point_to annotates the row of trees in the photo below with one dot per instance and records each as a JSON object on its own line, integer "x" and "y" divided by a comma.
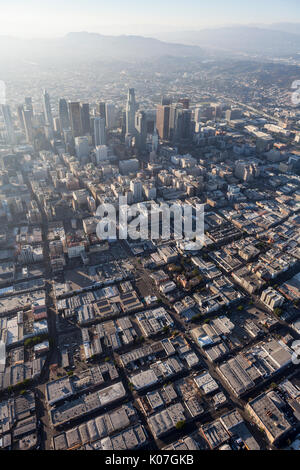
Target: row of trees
{"x": 31, "y": 342}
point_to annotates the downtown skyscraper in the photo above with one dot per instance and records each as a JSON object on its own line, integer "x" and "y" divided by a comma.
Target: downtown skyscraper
{"x": 131, "y": 109}
{"x": 63, "y": 114}
{"x": 8, "y": 123}
{"x": 99, "y": 131}
{"x": 163, "y": 121}
{"x": 101, "y": 110}
{"x": 75, "y": 118}
{"x": 141, "y": 130}
{"x": 27, "y": 119}
{"x": 85, "y": 118}
{"x": 47, "y": 109}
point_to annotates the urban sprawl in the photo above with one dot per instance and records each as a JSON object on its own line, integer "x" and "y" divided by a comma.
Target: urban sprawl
{"x": 121, "y": 344}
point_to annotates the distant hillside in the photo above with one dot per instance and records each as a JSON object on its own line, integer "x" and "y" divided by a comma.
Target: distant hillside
{"x": 241, "y": 39}
{"x": 91, "y": 46}
{"x": 87, "y": 47}
{"x": 291, "y": 28}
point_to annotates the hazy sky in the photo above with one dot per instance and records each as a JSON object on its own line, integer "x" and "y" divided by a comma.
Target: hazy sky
{"x": 33, "y": 18}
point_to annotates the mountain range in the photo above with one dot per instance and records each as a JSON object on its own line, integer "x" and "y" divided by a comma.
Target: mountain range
{"x": 265, "y": 40}
{"x": 83, "y": 46}
{"x": 268, "y": 40}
